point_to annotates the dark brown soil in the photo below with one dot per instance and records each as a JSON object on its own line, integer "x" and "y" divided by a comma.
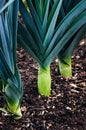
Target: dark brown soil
{"x": 65, "y": 109}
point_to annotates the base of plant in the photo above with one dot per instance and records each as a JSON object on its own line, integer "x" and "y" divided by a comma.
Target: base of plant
{"x": 44, "y": 81}
{"x": 65, "y": 68}
{"x": 16, "y": 116}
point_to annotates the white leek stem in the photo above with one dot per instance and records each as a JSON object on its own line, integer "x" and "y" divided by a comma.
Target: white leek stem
{"x": 44, "y": 81}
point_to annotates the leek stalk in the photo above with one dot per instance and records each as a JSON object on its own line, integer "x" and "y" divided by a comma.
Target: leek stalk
{"x": 49, "y": 31}
{"x": 11, "y": 86}
{"x": 44, "y": 81}
{"x": 65, "y": 67}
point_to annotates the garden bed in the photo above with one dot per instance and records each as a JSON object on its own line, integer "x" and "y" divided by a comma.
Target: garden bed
{"x": 65, "y": 109}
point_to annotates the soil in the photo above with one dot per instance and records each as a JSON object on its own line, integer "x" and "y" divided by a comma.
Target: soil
{"x": 65, "y": 109}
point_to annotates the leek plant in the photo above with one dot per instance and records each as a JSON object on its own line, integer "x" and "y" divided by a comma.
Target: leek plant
{"x": 11, "y": 82}
{"x": 64, "y": 57}
{"x": 46, "y": 34}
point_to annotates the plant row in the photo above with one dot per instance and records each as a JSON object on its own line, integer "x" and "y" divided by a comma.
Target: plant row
{"x": 50, "y": 29}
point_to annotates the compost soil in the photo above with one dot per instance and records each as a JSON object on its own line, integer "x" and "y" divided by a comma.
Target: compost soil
{"x": 64, "y": 109}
